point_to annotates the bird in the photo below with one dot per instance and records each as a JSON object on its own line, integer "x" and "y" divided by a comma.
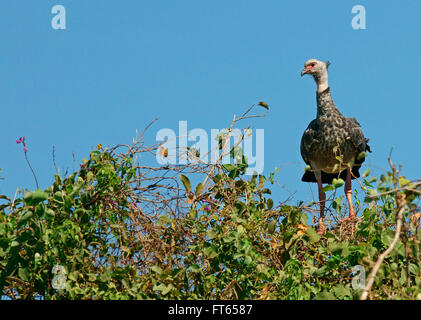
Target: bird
{"x": 333, "y": 146}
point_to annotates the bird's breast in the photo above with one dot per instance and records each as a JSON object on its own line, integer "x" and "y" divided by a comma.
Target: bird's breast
{"x": 333, "y": 143}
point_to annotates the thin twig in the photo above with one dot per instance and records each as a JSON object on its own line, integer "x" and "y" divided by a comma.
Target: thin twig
{"x": 32, "y": 170}
{"x": 54, "y": 159}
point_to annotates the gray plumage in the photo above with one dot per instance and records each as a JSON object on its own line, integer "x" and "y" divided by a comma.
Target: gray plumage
{"x": 332, "y": 131}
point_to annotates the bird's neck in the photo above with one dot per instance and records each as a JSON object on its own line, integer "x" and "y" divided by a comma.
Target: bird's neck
{"x": 321, "y": 81}
{"x": 325, "y": 104}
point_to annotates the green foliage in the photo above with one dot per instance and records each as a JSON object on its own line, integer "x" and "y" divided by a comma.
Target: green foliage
{"x": 227, "y": 240}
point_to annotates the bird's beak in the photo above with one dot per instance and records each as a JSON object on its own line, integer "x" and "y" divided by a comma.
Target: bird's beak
{"x": 305, "y": 71}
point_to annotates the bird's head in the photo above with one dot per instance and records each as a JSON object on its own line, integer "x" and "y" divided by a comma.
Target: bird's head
{"x": 315, "y": 67}
{"x": 318, "y": 69}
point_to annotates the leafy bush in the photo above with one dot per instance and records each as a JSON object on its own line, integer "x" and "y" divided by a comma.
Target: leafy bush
{"x": 120, "y": 230}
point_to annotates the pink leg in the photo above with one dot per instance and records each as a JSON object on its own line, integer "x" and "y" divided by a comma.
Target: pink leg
{"x": 348, "y": 194}
{"x": 322, "y": 200}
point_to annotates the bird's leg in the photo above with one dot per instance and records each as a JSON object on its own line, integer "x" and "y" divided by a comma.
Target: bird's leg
{"x": 348, "y": 193}
{"x": 322, "y": 200}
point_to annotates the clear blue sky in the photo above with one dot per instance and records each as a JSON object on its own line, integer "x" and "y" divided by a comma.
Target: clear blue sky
{"x": 120, "y": 64}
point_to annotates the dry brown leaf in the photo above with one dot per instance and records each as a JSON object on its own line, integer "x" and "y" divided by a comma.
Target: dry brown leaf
{"x": 301, "y": 229}
{"x": 164, "y": 152}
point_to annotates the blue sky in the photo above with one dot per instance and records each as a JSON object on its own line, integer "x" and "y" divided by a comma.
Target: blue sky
{"x": 120, "y": 64}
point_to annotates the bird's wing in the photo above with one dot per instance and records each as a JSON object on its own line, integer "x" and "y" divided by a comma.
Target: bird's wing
{"x": 357, "y": 138}
{"x": 309, "y": 137}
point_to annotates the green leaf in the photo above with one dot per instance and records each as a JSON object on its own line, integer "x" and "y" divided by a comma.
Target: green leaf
{"x": 167, "y": 289}
{"x": 229, "y": 167}
{"x": 312, "y": 234}
{"x": 159, "y": 287}
{"x": 394, "y": 266}
{"x": 211, "y": 234}
{"x": 345, "y": 250}
{"x": 403, "y": 181}
{"x": 35, "y": 197}
{"x": 372, "y": 192}
{"x": 193, "y": 214}
{"x": 366, "y": 173}
{"x": 37, "y": 257}
{"x": 92, "y": 277}
{"x": 386, "y": 238}
{"x": 24, "y": 274}
{"x": 362, "y": 155}
{"x": 272, "y": 226}
{"x": 4, "y": 197}
{"x": 261, "y": 182}
{"x": 325, "y": 296}
{"x": 334, "y": 246}
{"x": 164, "y": 219}
{"x": 49, "y": 212}
{"x": 210, "y": 252}
{"x": 402, "y": 279}
{"x": 237, "y": 256}
{"x": 337, "y": 183}
{"x": 14, "y": 243}
{"x": 24, "y": 216}
{"x": 269, "y": 203}
{"x": 240, "y": 229}
{"x": 328, "y": 188}
{"x": 199, "y": 189}
{"x": 156, "y": 269}
{"x": 195, "y": 268}
{"x": 336, "y": 167}
{"x": 264, "y": 105}
{"x": 186, "y": 182}
{"x": 228, "y": 239}
{"x": 248, "y": 260}
{"x": 73, "y": 276}
{"x": 414, "y": 269}
{"x": 336, "y": 204}
{"x": 266, "y": 191}
{"x": 59, "y": 195}
{"x": 340, "y": 291}
{"x": 236, "y": 154}
{"x": 89, "y": 176}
